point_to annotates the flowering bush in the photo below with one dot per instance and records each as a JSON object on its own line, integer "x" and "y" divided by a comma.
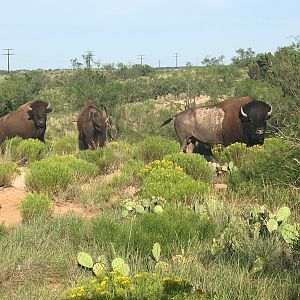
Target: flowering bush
{"x": 159, "y": 165}
{"x": 193, "y": 164}
{"x": 275, "y": 162}
{"x": 143, "y": 285}
{"x": 167, "y": 180}
{"x": 237, "y": 152}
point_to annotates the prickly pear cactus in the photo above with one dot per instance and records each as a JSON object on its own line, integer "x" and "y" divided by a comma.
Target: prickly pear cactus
{"x": 99, "y": 269}
{"x": 139, "y": 209}
{"x": 119, "y": 265}
{"x": 156, "y": 251}
{"x": 289, "y": 233}
{"x": 158, "y": 209}
{"x": 272, "y": 225}
{"x": 283, "y": 214}
{"x": 85, "y": 260}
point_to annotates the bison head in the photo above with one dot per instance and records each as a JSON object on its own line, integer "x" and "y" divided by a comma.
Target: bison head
{"x": 38, "y": 113}
{"x": 98, "y": 120}
{"x": 253, "y": 116}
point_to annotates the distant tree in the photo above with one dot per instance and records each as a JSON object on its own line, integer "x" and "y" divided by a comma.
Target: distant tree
{"x": 214, "y": 61}
{"x": 244, "y": 57}
{"x": 286, "y": 70}
{"x": 261, "y": 67}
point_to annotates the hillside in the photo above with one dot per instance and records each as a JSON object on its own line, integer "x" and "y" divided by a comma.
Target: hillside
{"x": 160, "y": 224}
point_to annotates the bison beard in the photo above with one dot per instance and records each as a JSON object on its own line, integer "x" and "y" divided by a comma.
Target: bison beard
{"x": 236, "y": 120}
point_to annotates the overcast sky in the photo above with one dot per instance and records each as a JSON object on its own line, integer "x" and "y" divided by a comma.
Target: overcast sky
{"x": 47, "y": 34}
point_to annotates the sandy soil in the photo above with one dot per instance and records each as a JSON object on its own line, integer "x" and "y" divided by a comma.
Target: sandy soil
{"x": 10, "y": 198}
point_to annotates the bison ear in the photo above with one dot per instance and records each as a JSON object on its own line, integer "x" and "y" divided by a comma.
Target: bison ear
{"x": 30, "y": 113}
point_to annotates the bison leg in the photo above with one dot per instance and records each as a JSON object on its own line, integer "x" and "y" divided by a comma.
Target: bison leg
{"x": 81, "y": 142}
{"x": 183, "y": 144}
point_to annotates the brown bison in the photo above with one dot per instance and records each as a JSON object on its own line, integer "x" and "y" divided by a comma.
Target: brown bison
{"x": 27, "y": 121}
{"x": 233, "y": 120}
{"x": 92, "y": 124}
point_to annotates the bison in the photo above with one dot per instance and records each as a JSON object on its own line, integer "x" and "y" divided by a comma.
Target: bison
{"x": 92, "y": 125}
{"x": 233, "y": 120}
{"x": 27, "y": 121}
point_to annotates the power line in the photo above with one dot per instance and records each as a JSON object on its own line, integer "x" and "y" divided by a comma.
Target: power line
{"x": 8, "y": 55}
{"x": 176, "y": 55}
{"x": 141, "y": 56}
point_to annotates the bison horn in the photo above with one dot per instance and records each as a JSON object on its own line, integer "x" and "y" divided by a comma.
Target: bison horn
{"x": 29, "y": 108}
{"x": 270, "y": 111}
{"x": 243, "y": 114}
{"x": 49, "y": 105}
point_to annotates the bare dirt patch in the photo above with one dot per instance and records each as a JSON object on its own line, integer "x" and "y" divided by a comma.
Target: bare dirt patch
{"x": 11, "y": 197}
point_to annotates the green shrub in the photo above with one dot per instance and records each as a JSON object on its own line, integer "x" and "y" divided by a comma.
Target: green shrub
{"x": 9, "y": 146}
{"x": 132, "y": 168}
{"x": 237, "y": 153}
{"x": 172, "y": 227}
{"x": 8, "y": 172}
{"x": 275, "y": 162}
{"x": 172, "y": 185}
{"x": 104, "y": 158}
{"x": 98, "y": 193}
{"x": 55, "y": 173}
{"x": 155, "y": 147}
{"x": 35, "y": 205}
{"x": 27, "y": 150}
{"x": 193, "y": 164}
{"x": 122, "y": 150}
{"x": 31, "y": 150}
{"x": 65, "y": 145}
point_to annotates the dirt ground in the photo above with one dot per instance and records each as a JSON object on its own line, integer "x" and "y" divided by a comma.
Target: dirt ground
{"x": 10, "y": 198}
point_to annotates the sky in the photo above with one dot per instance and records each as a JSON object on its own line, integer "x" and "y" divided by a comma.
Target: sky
{"x": 49, "y": 34}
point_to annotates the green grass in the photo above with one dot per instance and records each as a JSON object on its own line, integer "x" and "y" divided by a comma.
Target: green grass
{"x": 35, "y": 266}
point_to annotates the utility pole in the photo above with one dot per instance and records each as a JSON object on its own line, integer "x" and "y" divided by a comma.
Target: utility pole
{"x": 141, "y": 56}
{"x": 88, "y": 58}
{"x": 8, "y": 55}
{"x": 159, "y": 63}
{"x": 176, "y": 55}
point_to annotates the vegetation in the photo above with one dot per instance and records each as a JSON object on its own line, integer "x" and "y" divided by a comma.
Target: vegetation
{"x": 159, "y": 229}
{"x": 8, "y": 172}
{"x": 36, "y": 205}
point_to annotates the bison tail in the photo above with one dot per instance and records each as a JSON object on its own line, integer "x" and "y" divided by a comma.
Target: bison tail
{"x": 166, "y": 121}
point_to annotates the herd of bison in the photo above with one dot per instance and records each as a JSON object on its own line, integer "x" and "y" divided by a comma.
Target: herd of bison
{"x": 232, "y": 120}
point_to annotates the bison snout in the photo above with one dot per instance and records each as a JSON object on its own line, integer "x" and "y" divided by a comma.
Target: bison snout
{"x": 40, "y": 123}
